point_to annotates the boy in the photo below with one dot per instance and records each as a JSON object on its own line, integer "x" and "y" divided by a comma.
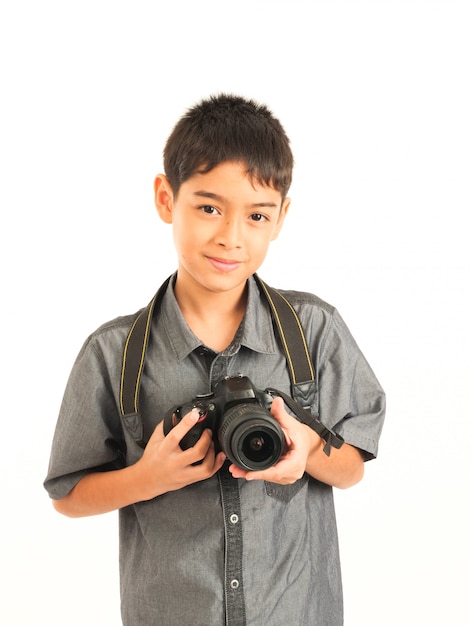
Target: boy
{"x": 203, "y": 541}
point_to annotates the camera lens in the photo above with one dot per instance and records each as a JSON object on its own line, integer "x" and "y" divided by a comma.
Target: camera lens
{"x": 256, "y": 443}
{"x": 257, "y": 446}
{"x": 251, "y": 437}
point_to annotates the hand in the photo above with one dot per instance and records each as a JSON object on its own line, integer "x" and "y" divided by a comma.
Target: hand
{"x": 300, "y": 440}
{"x": 166, "y": 467}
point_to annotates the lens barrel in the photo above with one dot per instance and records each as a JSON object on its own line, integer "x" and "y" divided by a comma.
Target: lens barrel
{"x": 251, "y": 437}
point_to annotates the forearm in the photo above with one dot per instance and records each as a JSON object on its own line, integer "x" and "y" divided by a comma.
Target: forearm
{"x": 163, "y": 467}
{"x": 343, "y": 468}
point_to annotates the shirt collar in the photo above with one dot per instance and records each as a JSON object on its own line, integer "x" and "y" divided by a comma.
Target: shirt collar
{"x": 256, "y": 330}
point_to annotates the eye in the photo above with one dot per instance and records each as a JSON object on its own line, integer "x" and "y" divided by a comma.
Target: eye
{"x": 258, "y": 217}
{"x": 210, "y": 210}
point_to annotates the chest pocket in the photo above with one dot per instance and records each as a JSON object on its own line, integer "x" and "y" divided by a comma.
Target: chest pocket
{"x": 285, "y": 493}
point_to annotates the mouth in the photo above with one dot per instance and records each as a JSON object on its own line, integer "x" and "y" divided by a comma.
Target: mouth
{"x": 224, "y": 265}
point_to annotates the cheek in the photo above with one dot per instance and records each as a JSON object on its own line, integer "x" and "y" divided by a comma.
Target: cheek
{"x": 187, "y": 241}
{"x": 180, "y": 232}
{"x": 181, "y": 243}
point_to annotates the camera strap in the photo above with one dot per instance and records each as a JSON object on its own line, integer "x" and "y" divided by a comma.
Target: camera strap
{"x": 133, "y": 366}
{"x": 330, "y": 438}
{"x": 290, "y": 331}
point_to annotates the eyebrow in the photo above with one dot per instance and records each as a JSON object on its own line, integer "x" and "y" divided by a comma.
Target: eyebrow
{"x": 215, "y": 196}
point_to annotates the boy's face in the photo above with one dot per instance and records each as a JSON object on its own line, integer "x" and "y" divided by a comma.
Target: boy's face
{"x": 223, "y": 222}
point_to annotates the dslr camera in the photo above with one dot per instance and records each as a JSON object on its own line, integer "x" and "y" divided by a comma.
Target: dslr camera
{"x": 238, "y": 415}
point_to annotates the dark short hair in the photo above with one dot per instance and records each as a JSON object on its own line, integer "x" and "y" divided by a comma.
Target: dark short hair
{"x": 229, "y": 128}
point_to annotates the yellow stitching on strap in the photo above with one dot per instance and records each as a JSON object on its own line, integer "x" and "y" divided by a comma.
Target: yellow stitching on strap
{"x": 142, "y": 358}
{"x": 312, "y": 375}
{"x": 124, "y": 361}
{"x": 286, "y": 347}
{"x": 284, "y": 342}
{"x": 141, "y": 366}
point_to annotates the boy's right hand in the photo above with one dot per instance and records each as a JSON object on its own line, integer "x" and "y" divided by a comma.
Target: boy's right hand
{"x": 165, "y": 467}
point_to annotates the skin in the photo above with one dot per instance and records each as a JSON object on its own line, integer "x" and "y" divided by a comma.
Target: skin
{"x": 223, "y": 222}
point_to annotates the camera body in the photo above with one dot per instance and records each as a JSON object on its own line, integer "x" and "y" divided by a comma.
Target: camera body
{"x": 238, "y": 415}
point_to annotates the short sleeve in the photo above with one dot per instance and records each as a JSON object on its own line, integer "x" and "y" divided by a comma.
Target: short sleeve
{"x": 88, "y": 435}
{"x": 351, "y": 400}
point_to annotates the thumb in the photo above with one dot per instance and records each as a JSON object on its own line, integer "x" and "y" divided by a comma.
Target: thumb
{"x": 278, "y": 410}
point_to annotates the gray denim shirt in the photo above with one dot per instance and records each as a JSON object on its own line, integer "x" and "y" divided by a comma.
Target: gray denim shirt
{"x": 221, "y": 551}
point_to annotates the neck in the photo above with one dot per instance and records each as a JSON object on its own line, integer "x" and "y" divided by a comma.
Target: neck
{"x": 214, "y": 317}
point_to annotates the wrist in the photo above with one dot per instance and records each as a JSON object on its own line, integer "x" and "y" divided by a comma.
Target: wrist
{"x": 141, "y": 485}
{"x": 314, "y": 444}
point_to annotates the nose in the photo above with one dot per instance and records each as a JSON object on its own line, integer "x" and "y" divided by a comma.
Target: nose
{"x": 229, "y": 234}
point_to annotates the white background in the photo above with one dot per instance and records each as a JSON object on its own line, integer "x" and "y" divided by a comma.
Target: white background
{"x": 375, "y": 97}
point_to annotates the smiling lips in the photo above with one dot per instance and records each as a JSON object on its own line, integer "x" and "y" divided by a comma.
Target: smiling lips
{"x": 224, "y": 265}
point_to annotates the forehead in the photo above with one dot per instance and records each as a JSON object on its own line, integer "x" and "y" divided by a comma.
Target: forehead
{"x": 228, "y": 179}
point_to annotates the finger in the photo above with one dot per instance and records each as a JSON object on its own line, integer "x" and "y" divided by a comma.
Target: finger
{"x": 237, "y": 472}
{"x": 288, "y": 423}
{"x": 184, "y": 426}
{"x": 280, "y": 473}
{"x": 200, "y": 450}
{"x": 214, "y": 461}
{"x": 219, "y": 460}
{"x": 203, "y": 457}
{"x": 278, "y": 410}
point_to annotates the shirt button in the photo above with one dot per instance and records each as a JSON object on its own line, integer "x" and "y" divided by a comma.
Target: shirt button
{"x": 234, "y": 518}
{"x": 234, "y": 584}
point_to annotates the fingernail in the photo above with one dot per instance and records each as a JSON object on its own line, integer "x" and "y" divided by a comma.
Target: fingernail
{"x": 194, "y": 415}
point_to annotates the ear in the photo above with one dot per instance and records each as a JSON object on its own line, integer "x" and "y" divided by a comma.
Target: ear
{"x": 280, "y": 220}
{"x": 163, "y": 198}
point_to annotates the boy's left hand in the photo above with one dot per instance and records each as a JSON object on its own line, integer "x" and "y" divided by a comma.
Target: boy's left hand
{"x": 301, "y": 441}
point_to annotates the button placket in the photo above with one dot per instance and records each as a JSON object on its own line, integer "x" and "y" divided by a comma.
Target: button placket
{"x": 234, "y": 596}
